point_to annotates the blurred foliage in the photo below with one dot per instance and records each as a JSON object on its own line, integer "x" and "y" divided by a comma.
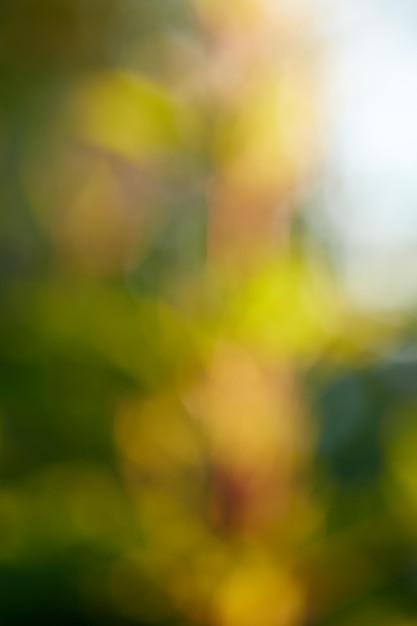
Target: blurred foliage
{"x": 196, "y": 425}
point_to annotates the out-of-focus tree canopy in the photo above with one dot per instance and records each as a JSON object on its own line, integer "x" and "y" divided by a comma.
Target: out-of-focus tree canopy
{"x": 196, "y": 424}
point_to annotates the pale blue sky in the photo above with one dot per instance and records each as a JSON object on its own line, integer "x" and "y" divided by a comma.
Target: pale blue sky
{"x": 370, "y": 117}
